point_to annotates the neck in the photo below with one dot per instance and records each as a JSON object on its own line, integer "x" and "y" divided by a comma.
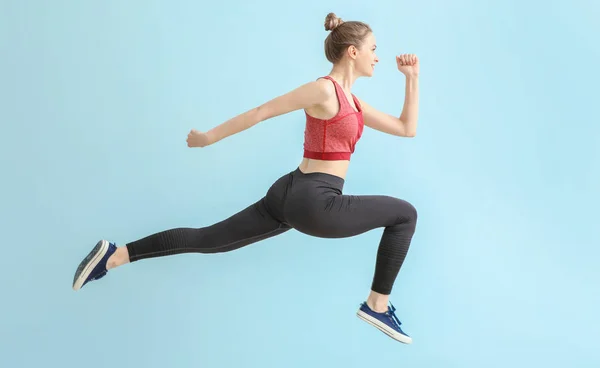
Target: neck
{"x": 345, "y": 75}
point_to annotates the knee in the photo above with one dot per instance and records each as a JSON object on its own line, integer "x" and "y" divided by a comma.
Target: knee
{"x": 408, "y": 213}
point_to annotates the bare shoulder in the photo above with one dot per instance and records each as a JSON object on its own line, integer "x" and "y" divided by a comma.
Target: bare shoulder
{"x": 322, "y": 90}
{"x": 313, "y": 92}
{"x": 326, "y": 86}
{"x": 305, "y": 96}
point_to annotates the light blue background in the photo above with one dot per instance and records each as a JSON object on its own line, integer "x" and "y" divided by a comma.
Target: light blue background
{"x": 97, "y": 98}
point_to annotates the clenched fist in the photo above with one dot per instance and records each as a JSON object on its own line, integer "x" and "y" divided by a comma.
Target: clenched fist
{"x": 408, "y": 64}
{"x": 196, "y": 138}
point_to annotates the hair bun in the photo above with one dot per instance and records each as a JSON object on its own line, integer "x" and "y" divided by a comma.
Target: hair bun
{"x": 332, "y": 21}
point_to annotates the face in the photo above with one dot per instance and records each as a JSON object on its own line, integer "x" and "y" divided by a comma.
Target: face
{"x": 365, "y": 57}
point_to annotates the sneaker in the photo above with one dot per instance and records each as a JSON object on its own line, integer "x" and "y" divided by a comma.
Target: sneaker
{"x": 93, "y": 266}
{"x": 387, "y": 322}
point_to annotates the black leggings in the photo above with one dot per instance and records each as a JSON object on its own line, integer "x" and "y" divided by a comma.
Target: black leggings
{"x": 311, "y": 203}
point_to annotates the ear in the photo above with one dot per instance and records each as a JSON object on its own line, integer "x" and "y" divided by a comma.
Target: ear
{"x": 352, "y": 52}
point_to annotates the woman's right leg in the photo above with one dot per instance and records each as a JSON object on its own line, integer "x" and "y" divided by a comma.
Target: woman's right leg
{"x": 343, "y": 215}
{"x": 317, "y": 207}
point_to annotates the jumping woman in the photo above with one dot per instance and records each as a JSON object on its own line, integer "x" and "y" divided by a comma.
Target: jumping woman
{"x": 309, "y": 198}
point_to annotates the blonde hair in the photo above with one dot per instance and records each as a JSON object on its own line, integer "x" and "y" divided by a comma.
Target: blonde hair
{"x": 343, "y": 35}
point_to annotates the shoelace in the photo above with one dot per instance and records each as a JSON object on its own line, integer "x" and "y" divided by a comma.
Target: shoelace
{"x": 392, "y": 314}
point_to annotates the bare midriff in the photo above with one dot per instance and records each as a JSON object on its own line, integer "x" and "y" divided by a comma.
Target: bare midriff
{"x": 337, "y": 168}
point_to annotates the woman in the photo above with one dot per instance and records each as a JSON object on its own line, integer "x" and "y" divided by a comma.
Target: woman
{"x": 308, "y": 199}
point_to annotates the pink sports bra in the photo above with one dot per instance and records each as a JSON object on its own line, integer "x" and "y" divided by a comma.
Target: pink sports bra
{"x": 335, "y": 138}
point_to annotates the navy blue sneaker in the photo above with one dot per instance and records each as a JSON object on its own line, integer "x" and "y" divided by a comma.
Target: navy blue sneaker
{"x": 93, "y": 266}
{"x": 386, "y": 322}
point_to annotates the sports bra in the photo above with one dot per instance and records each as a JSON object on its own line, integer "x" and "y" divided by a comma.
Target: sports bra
{"x": 335, "y": 138}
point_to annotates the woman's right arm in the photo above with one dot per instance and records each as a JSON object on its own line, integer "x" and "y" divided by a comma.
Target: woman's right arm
{"x": 305, "y": 96}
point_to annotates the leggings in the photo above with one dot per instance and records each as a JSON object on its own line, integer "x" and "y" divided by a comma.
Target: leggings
{"x": 311, "y": 203}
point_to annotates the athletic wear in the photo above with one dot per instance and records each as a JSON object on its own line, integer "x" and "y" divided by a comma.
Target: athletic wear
{"x": 336, "y": 138}
{"x": 93, "y": 266}
{"x": 311, "y": 203}
{"x": 386, "y": 322}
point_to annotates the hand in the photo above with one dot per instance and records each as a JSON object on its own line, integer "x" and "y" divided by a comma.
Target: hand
{"x": 408, "y": 64}
{"x": 198, "y": 139}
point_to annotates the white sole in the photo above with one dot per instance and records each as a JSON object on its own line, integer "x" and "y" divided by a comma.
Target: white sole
{"x": 384, "y": 328}
{"x": 89, "y": 263}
